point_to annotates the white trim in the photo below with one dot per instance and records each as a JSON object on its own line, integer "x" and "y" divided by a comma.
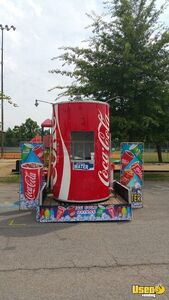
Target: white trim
{"x": 65, "y": 182}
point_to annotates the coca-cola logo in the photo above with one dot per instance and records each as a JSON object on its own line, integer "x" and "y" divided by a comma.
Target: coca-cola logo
{"x": 30, "y": 185}
{"x": 124, "y": 161}
{"x": 137, "y": 169}
{"x": 104, "y": 138}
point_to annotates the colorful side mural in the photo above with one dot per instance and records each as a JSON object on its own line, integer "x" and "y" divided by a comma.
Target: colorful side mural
{"x": 131, "y": 174}
{"x": 77, "y": 213}
{"x": 32, "y": 159}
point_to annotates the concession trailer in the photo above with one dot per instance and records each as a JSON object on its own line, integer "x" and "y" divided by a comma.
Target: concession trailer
{"x": 80, "y": 171}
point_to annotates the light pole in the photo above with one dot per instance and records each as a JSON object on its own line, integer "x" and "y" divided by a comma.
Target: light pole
{"x": 43, "y": 101}
{"x": 6, "y": 27}
{"x": 36, "y": 102}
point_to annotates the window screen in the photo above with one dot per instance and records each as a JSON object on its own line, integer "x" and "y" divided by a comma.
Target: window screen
{"x": 82, "y": 145}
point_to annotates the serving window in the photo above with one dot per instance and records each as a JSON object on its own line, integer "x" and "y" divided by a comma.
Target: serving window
{"x": 82, "y": 145}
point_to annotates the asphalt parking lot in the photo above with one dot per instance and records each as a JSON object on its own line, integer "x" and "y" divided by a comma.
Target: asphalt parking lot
{"x": 84, "y": 260}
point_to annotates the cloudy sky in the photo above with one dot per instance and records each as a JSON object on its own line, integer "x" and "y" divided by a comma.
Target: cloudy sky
{"x": 42, "y": 26}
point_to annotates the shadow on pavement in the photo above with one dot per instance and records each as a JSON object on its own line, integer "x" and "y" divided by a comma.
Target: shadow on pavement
{"x": 23, "y": 223}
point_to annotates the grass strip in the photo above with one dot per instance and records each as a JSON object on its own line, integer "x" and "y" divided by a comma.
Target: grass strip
{"x": 10, "y": 179}
{"x": 156, "y": 176}
{"x": 148, "y": 176}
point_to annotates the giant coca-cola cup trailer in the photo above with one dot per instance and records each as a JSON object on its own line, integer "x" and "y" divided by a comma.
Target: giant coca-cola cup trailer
{"x": 81, "y": 151}
{"x": 81, "y": 179}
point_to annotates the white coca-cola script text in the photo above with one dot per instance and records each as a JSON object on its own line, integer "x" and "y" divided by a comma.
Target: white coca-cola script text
{"x": 104, "y": 138}
{"x": 30, "y": 185}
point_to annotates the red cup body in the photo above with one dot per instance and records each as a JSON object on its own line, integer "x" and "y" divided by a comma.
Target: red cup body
{"x": 38, "y": 150}
{"x": 127, "y": 176}
{"x": 70, "y": 181}
{"x": 126, "y": 158}
{"x": 60, "y": 212}
{"x": 32, "y": 179}
{"x": 137, "y": 169}
{"x": 72, "y": 211}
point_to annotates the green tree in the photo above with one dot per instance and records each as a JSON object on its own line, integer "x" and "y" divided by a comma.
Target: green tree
{"x": 5, "y": 97}
{"x": 25, "y": 132}
{"x": 29, "y": 129}
{"x": 10, "y": 139}
{"x": 126, "y": 63}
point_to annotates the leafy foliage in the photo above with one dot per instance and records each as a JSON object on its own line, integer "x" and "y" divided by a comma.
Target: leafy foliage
{"x": 25, "y": 132}
{"x": 5, "y": 97}
{"x": 126, "y": 63}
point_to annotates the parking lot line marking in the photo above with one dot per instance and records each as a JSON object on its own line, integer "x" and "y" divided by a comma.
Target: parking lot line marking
{"x": 12, "y": 223}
